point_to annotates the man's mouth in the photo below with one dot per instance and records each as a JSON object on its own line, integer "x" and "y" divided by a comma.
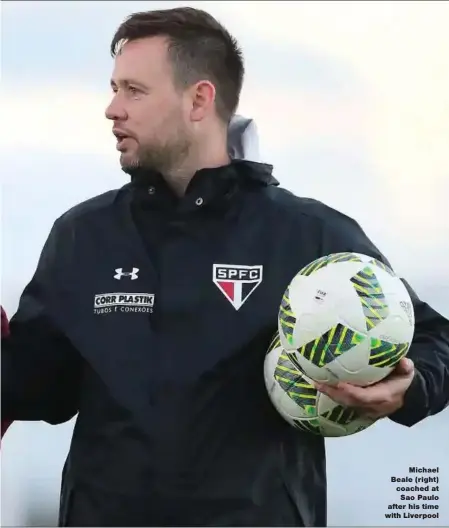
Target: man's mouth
{"x": 121, "y": 139}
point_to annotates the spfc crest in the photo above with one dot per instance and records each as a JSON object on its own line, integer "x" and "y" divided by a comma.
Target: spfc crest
{"x": 237, "y": 282}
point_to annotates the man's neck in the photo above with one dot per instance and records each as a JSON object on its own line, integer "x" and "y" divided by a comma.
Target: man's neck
{"x": 178, "y": 178}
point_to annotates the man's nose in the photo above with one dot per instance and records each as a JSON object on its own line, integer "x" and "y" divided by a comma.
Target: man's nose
{"x": 116, "y": 111}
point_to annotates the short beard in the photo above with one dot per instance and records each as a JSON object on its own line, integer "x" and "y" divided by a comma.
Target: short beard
{"x": 162, "y": 159}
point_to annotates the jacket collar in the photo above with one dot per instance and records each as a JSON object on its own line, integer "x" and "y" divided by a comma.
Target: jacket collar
{"x": 260, "y": 173}
{"x": 210, "y": 188}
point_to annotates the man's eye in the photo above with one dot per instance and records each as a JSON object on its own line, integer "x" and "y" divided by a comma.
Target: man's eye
{"x": 133, "y": 89}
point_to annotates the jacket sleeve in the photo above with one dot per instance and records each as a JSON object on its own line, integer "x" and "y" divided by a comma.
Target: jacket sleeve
{"x": 429, "y": 391}
{"x": 40, "y": 368}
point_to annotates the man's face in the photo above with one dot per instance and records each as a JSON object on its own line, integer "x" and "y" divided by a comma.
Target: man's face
{"x": 151, "y": 118}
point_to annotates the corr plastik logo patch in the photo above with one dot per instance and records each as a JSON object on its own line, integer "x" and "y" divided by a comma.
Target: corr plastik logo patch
{"x": 106, "y": 303}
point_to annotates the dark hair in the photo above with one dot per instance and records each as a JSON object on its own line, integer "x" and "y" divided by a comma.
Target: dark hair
{"x": 199, "y": 47}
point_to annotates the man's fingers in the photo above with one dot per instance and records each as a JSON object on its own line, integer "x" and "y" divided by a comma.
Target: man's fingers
{"x": 350, "y": 395}
{"x": 374, "y": 401}
{"x": 405, "y": 367}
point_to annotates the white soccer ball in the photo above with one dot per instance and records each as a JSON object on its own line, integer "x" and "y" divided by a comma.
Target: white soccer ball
{"x": 300, "y": 404}
{"x": 346, "y": 317}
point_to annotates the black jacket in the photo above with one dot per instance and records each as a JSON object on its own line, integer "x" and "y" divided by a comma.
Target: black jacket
{"x": 125, "y": 323}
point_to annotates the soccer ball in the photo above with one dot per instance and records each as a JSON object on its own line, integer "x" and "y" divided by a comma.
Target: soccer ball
{"x": 300, "y": 404}
{"x": 346, "y": 317}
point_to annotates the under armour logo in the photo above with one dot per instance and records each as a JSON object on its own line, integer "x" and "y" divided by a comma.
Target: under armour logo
{"x": 119, "y": 273}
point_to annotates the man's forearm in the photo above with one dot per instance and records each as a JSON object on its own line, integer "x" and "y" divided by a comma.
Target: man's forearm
{"x": 429, "y": 392}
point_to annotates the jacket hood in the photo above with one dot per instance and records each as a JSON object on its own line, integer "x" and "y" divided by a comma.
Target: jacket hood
{"x": 243, "y": 145}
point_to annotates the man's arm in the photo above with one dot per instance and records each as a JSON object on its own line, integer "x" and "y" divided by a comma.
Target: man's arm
{"x": 40, "y": 368}
{"x": 428, "y": 393}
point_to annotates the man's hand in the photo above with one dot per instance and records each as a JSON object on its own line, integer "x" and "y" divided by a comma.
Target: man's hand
{"x": 378, "y": 400}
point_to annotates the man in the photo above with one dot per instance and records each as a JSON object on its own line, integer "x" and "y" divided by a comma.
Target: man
{"x": 123, "y": 324}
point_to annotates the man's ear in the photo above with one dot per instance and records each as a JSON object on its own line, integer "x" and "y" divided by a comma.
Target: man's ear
{"x": 203, "y": 98}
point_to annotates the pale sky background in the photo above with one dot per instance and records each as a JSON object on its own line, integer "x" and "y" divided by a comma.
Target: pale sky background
{"x": 351, "y": 100}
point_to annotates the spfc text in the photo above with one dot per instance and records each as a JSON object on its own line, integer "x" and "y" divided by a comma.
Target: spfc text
{"x": 232, "y": 273}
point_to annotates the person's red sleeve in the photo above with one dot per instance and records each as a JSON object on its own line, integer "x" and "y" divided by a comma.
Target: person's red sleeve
{"x": 5, "y": 332}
